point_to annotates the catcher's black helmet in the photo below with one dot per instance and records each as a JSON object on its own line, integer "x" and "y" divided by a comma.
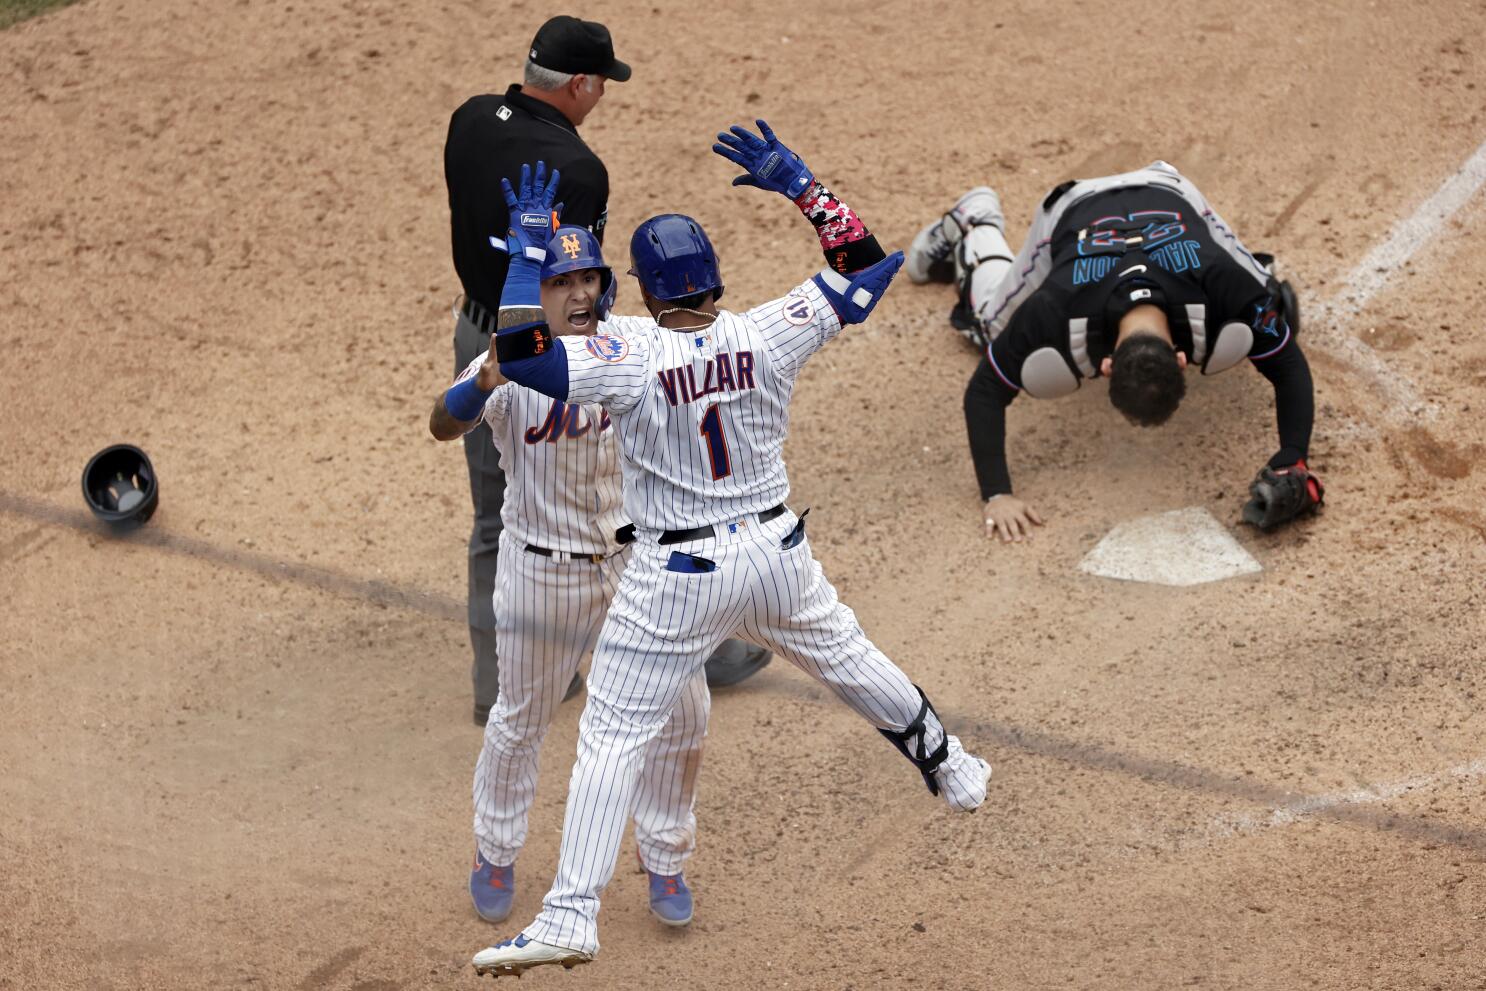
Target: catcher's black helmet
{"x": 120, "y": 487}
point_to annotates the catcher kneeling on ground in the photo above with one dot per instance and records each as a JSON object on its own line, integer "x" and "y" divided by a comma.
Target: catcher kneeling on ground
{"x": 1130, "y": 277}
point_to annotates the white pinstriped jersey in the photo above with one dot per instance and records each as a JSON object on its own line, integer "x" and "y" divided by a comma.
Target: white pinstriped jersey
{"x": 702, "y": 414}
{"x": 563, "y": 490}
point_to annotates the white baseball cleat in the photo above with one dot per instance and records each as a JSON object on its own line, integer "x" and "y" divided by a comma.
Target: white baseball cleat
{"x": 520, "y": 954}
{"x": 962, "y": 778}
{"x": 930, "y": 257}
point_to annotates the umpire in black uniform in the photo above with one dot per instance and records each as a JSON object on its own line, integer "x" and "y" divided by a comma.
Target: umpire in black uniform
{"x": 490, "y": 137}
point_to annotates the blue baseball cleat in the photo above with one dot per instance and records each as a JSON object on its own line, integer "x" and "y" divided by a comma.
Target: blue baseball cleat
{"x": 492, "y": 889}
{"x": 670, "y": 899}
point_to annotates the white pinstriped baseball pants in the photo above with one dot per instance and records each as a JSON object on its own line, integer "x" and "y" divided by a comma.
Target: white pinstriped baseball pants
{"x": 659, "y": 633}
{"x": 547, "y": 616}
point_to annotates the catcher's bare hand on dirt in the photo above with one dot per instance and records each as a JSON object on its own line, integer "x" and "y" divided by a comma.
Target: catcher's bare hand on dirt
{"x": 1010, "y": 518}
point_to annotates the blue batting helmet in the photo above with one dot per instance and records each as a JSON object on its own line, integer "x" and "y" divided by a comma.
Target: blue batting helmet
{"x": 673, "y": 258}
{"x": 573, "y": 249}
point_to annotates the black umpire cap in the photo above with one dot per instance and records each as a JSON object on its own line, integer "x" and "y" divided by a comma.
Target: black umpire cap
{"x": 566, "y": 44}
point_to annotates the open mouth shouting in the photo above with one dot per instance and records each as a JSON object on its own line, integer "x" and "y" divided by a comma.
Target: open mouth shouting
{"x": 580, "y": 318}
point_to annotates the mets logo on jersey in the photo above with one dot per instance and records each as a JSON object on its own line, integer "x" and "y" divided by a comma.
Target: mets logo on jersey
{"x": 607, "y": 348}
{"x": 798, "y": 311}
{"x": 571, "y": 246}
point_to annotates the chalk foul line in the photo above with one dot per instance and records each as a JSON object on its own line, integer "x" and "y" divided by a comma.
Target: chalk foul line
{"x": 1236, "y": 823}
{"x": 1371, "y": 274}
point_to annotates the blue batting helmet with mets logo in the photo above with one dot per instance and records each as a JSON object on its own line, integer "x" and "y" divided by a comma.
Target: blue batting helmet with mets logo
{"x": 573, "y": 249}
{"x": 673, "y": 258}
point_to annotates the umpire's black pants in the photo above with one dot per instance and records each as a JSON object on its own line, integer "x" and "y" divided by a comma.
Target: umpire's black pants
{"x": 488, "y": 493}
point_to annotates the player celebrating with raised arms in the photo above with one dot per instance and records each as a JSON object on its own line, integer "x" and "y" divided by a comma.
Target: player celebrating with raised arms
{"x": 699, "y": 398}
{"x": 560, "y": 563}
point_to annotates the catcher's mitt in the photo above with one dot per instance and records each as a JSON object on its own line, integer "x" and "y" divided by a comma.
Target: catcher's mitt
{"x": 1278, "y": 495}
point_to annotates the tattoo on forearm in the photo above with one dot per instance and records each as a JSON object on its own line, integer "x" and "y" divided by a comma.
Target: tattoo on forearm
{"x": 514, "y": 316}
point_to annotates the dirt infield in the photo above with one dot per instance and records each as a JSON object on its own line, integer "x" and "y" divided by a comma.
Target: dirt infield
{"x": 235, "y": 752}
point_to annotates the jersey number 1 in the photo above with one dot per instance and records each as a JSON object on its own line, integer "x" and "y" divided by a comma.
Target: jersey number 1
{"x": 717, "y": 444}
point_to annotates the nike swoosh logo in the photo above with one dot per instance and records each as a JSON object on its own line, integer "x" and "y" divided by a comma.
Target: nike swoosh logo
{"x": 1132, "y": 268}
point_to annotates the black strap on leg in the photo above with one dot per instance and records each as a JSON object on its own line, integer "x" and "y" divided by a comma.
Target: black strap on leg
{"x": 926, "y": 763}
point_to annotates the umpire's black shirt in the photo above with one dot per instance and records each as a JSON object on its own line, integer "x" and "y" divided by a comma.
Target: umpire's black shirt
{"x": 491, "y": 137}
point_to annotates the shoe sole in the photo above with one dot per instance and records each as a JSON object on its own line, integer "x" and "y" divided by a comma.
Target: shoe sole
{"x": 493, "y": 918}
{"x": 673, "y": 923}
{"x": 936, "y": 268}
{"x": 517, "y": 969}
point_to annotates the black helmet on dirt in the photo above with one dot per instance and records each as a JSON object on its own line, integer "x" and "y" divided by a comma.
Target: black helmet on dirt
{"x": 119, "y": 486}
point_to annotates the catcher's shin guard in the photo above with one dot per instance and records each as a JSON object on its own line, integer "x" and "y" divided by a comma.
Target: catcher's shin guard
{"x": 916, "y": 734}
{"x": 982, "y": 260}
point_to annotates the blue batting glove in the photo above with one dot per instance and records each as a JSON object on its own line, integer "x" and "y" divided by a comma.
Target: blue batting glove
{"x": 533, "y": 218}
{"x": 769, "y": 164}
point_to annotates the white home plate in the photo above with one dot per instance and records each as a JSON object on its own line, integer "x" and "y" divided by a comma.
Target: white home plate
{"x": 1182, "y": 547}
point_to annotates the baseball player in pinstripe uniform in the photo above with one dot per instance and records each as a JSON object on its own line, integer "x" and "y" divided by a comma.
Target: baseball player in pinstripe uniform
{"x": 561, "y": 555}
{"x": 700, "y": 400}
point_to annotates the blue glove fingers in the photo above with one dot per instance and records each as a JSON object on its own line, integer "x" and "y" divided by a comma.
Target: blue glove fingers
{"x": 736, "y": 157}
{"x": 731, "y": 142}
{"x": 505, "y": 185}
{"x": 551, "y": 189}
{"x": 523, "y": 193}
{"x": 748, "y": 139}
{"x": 766, "y": 131}
{"x": 746, "y": 180}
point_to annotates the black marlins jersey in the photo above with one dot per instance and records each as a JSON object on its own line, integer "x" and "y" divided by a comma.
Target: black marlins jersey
{"x": 1137, "y": 232}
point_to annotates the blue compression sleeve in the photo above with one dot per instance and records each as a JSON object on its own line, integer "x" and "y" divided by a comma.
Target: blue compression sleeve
{"x": 523, "y": 283}
{"x": 547, "y": 372}
{"x": 465, "y": 401}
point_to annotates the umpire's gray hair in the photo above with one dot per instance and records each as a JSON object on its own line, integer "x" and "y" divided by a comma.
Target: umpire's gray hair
{"x": 542, "y": 78}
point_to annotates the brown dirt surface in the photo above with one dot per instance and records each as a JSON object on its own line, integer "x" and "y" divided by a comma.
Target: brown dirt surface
{"x": 236, "y": 749}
